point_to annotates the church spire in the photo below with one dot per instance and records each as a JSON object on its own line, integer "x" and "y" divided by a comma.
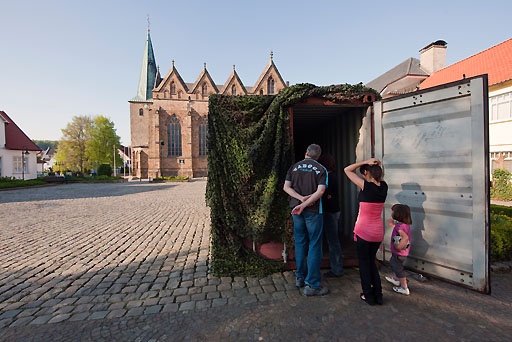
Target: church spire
{"x": 148, "y": 72}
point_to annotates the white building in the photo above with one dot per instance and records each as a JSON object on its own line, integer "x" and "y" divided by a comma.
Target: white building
{"x": 18, "y": 154}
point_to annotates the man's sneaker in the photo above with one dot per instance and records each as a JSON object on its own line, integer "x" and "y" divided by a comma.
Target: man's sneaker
{"x": 309, "y": 291}
{"x": 393, "y": 281}
{"x": 401, "y": 290}
{"x": 299, "y": 282}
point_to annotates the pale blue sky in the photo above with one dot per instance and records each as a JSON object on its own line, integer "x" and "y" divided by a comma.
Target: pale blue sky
{"x": 65, "y": 58}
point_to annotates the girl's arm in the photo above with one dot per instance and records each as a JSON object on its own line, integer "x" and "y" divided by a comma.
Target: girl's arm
{"x": 403, "y": 242}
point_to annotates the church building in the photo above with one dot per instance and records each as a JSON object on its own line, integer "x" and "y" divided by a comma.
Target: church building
{"x": 169, "y": 117}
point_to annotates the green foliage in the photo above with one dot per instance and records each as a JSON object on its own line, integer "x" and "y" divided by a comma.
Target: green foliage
{"x": 171, "y": 178}
{"x": 88, "y": 142}
{"x": 501, "y": 185}
{"x": 249, "y": 153}
{"x": 105, "y": 170}
{"x": 11, "y": 182}
{"x": 501, "y": 233}
{"x": 71, "y": 152}
{"x": 102, "y": 143}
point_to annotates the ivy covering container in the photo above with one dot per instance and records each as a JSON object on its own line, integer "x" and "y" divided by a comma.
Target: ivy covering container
{"x": 249, "y": 152}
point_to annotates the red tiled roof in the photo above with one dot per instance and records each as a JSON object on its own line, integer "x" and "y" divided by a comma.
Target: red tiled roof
{"x": 15, "y": 139}
{"x": 495, "y": 61}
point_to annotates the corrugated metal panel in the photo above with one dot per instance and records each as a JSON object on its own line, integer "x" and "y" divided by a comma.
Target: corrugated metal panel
{"x": 434, "y": 146}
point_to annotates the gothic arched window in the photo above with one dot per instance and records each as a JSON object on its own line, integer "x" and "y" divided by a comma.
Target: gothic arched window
{"x": 174, "y": 137}
{"x": 233, "y": 90}
{"x": 173, "y": 88}
{"x": 204, "y": 90}
{"x": 270, "y": 86}
{"x": 203, "y": 133}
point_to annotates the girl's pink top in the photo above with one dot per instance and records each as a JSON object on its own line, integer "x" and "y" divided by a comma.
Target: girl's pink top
{"x": 369, "y": 225}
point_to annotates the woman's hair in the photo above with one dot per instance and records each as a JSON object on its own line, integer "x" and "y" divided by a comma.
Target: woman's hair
{"x": 375, "y": 171}
{"x": 401, "y": 213}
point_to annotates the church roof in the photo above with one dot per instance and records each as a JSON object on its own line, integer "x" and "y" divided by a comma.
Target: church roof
{"x": 270, "y": 66}
{"x": 496, "y": 62}
{"x": 15, "y": 138}
{"x": 148, "y": 74}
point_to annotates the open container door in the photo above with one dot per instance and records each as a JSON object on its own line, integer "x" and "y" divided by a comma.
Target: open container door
{"x": 434, "y": 146}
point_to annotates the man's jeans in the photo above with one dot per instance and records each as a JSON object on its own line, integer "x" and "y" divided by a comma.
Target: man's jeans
{"x": 307, "y": 230}
{"x": 333, "y": 241}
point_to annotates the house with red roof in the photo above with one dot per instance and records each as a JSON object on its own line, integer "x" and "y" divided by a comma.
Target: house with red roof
{"x": 496, "y": 62}
{"x": 18, "y": 154}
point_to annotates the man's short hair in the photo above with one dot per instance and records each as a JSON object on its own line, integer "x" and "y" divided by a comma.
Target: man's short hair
{"x": 314, "y": 151}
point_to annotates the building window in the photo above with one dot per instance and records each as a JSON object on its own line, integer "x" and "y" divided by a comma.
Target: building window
{"x": 203, "y": 133}
{"x": 173, "y": 88}
{"x": 233, "y": 90}
{"x": 174, "y": 137}
{"x": 261, "y": 91}
{"x": 204, "y": 90}
{"x": 270, "y": 86}
{"x": 18, "y": 165}
{"x": 141, "y": 111}
{"x": 501, "y": 107}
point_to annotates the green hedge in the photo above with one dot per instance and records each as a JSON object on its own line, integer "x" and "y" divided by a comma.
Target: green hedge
{"x": 501, "y": 233}
{"x": 8, "y": 182}
{"x": 501, "y": 185}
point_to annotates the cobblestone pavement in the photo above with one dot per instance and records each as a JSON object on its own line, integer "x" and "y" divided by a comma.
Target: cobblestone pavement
{"x": 129, "y": 262}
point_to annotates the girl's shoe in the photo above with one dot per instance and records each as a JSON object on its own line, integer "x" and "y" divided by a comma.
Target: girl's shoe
{"x": 393, "y": 281}
{"x": 401, "y": 290}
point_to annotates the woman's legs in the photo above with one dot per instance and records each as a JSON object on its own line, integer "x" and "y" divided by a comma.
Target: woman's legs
{"x": 365, "y": 269}
{"x": 376, "y": 283}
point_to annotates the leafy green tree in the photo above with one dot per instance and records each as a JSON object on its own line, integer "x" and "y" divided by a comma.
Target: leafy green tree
{"x": 101, "y": 148}
{"x": 71, "y": 153}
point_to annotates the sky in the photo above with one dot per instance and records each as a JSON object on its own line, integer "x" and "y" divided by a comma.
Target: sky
{"x": 60, "y": 59}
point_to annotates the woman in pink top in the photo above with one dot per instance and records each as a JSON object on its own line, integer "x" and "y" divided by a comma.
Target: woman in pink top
{"x": 369, "y": 228}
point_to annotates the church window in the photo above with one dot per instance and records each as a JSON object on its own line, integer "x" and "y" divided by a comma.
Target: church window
{"x": 203, "y": 133}
{"x": 174, "y": 137}
{"x": 270, "y": 86}
{"x": 204, "y": 90}
{"x": 141, "y": 111}
{"x": 233, "y": 90}
{"x": 173, "y": 88}
{"x": 261, "y": 91}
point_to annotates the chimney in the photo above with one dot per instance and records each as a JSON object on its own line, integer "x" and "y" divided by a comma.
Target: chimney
{"x": 433, "y": 56}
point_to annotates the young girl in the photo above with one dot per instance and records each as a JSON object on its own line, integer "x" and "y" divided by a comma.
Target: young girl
{"x": 400, "y": 245}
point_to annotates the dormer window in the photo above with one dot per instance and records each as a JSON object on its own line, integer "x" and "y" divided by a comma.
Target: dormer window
{"x": 204, "y": 90}
{"x": 173, "y": 88}
{"x": 270, "y": 85}
{"x": 233, "y": 90}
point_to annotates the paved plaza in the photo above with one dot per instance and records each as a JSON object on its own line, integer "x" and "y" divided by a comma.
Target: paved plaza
{"x": 130, "y": 262}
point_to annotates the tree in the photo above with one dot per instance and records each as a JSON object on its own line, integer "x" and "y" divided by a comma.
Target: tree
{"x": 103, "y": 143}
{"x": 71, "y": 153}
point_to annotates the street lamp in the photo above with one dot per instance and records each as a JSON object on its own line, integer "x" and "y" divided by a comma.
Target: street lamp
{"x": 23, "y": 155}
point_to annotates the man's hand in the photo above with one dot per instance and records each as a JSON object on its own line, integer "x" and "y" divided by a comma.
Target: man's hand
{"x": 297, "y": 210}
